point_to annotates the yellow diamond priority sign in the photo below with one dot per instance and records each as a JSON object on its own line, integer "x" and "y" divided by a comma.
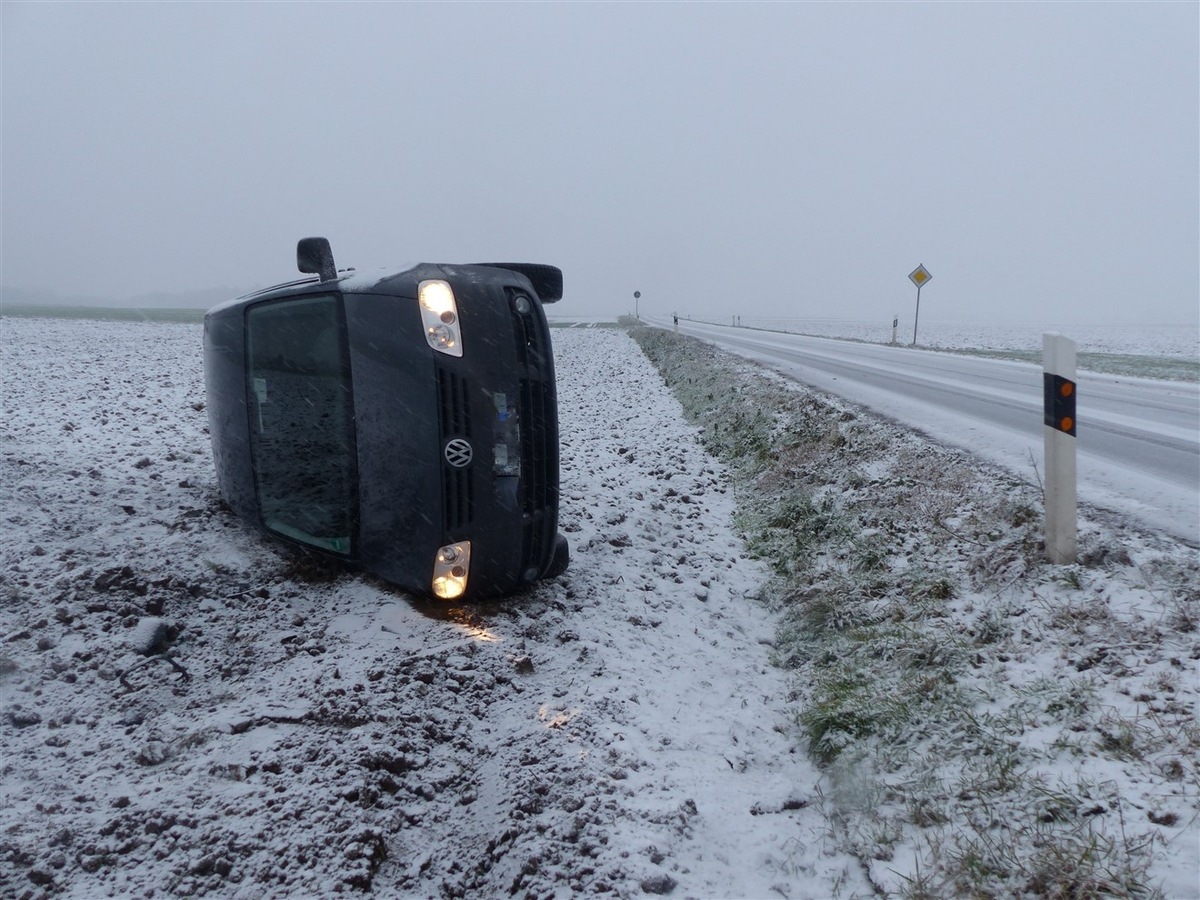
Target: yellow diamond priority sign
{"x": 919, "y": 275}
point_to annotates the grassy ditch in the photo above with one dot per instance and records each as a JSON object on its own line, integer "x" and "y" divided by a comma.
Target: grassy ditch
{"x": 988, "y": 725}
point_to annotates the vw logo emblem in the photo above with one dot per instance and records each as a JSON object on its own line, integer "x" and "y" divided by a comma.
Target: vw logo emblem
{"x": 458, "y": 453}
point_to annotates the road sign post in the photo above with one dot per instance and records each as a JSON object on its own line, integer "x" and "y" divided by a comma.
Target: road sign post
{"x": 637, "y": 296}
{"x": 918, "y": 276}
{"x": 1058, "y": 388}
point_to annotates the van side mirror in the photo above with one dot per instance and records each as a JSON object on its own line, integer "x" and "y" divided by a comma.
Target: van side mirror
{"x": 315, "y": 256}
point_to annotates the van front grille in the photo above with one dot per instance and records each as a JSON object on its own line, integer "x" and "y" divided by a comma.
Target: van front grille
{"x": 454, "y": 405}
{"x": 459, "y": 503}
{"x": 454, "y": 414}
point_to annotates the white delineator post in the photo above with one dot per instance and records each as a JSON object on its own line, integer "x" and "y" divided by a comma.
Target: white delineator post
{"x": 1058, "y": 380}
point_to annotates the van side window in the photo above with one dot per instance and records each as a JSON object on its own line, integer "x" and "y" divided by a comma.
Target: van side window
{"x": 302, "y": 420}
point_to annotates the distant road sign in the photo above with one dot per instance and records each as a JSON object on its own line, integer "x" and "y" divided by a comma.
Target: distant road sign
{"x": 919, "y": 275}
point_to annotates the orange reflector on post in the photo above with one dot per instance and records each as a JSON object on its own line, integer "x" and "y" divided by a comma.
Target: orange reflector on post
{"x": 1059, "y": 396}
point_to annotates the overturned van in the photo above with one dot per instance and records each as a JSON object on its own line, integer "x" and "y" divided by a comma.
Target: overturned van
{"x": 404, "y": 422}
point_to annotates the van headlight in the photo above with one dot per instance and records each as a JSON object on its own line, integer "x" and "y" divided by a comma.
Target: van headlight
{"x": 451, "y": 567}
{"x": 439, "y": 316}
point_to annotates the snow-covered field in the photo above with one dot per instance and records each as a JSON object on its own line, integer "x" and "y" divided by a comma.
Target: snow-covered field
{"x": 185, "y": 709}
{"x": 619, "y": 731}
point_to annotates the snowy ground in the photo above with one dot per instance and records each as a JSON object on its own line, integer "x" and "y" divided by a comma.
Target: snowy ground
{"x": 618, "y": 731}
{"x": 988, "y": 724}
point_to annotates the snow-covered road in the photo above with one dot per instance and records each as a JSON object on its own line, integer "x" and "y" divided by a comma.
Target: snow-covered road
{"x": 1139, "y": 440}
{"x": 616, "y": 731}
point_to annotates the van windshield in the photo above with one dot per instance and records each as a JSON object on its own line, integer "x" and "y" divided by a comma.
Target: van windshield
{"x": 302, "y": 420}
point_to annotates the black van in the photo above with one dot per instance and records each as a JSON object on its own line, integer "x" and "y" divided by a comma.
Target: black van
{"x": 404, "y": 422}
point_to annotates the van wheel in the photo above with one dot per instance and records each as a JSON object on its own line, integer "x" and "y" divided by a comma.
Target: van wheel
{"x": 561, "y": 558}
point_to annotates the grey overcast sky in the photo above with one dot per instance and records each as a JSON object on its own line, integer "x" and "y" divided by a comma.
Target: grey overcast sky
{"x": 775, "y": 159}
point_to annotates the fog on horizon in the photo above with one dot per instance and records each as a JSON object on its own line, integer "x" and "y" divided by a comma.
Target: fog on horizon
{"x": 769, "y": 160}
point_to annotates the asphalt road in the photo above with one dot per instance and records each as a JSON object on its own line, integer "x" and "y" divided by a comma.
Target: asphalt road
{"x": 1139, "y": 440}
